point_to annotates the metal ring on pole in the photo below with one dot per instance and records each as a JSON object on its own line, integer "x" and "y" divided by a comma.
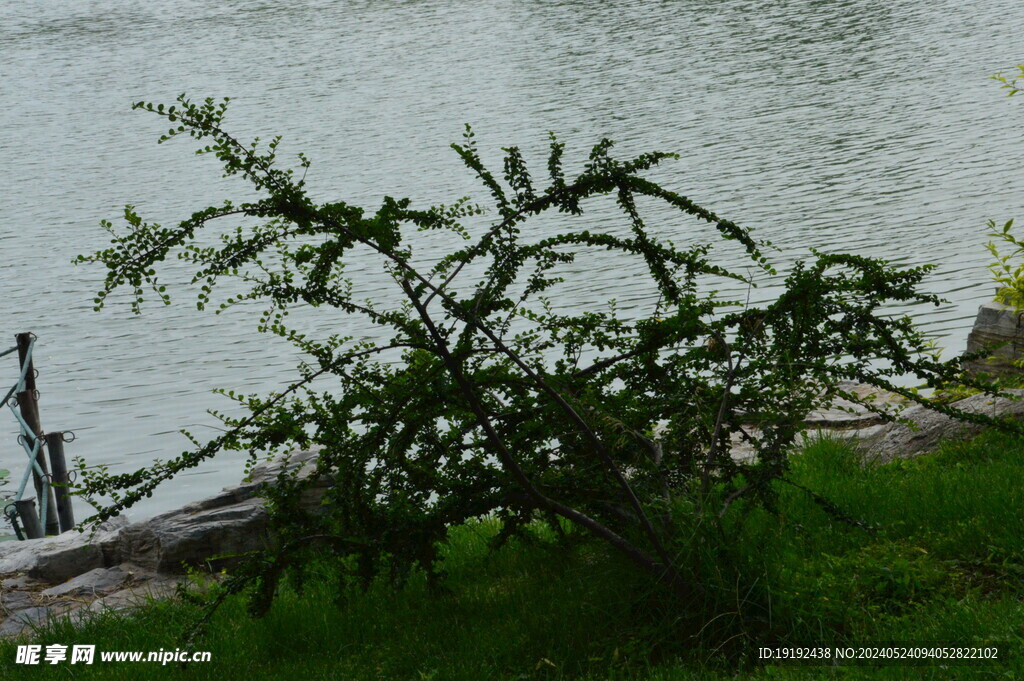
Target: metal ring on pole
{"x": 11, "y": 513}
{"x": 23, "y": 440}
{"x": 68, "y": 436}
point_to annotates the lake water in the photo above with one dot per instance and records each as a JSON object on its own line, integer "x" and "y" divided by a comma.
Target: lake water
{"x": 865, "y": 126}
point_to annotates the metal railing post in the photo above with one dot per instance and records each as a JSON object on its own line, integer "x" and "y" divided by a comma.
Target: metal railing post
{"x": 59, "y": 477}
{"x": 30, "y": 412}
{"x": 29, "y": 518}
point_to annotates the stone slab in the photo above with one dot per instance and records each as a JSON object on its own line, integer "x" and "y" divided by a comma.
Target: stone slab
{"x": 91, "y": 583}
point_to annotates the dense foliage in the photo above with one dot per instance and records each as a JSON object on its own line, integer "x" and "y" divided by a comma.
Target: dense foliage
{"x": 1007, "y": 269}
{"x": 487, "y": 398}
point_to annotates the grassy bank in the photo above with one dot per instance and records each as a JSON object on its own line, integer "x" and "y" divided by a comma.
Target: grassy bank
{"x": 939, "y": 556}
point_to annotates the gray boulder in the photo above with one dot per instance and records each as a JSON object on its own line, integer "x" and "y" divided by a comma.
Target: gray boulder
{"x": 24, "y": 620}
{"x": 208, "y": 532}
{"x": 194, "y": 535}
{"x": 91, "y": 583}
{"x": 996, "y": 325}
{"x": 119, "y": 565}
{"x": 898, "y": 440}
{"x": 55, "y": 559}
{"x": 156, "y": 588}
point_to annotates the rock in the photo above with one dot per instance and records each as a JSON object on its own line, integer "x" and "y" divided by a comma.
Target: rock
{"x": 884, "y": 441}
{"x": 12, "y": 601}
{"x": 56, "y": 559}
{"x": 847, "y": 415}
{"x": 14, "y": 583}
{"x": 193, "y": 534}
{"x": 844, "y": 418}
{"x": 92, "y": 583}
{"x": 234, "y": 521}
{"x": 901, "y": 441}
{"x": 23, "y": 620}
{"x": 268, "y": 471}
{"x": 996, "y": 324}
{"x": 138, "y": 595}
{"x": 305, "y": 460}
{"x": 79, "y": 599}
{"x": 120, "y": 565}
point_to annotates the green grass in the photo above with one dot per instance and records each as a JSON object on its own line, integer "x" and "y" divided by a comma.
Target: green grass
{"x": 945, "y": 564}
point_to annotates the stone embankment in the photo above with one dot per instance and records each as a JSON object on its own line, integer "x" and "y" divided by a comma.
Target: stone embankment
{"x": 121, "y": 564}
{"x": 882, "y": 441}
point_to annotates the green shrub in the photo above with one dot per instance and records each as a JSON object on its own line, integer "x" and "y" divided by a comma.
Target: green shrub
{"x": 1008, "y": 268}
{"x": 488, "y": 399}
